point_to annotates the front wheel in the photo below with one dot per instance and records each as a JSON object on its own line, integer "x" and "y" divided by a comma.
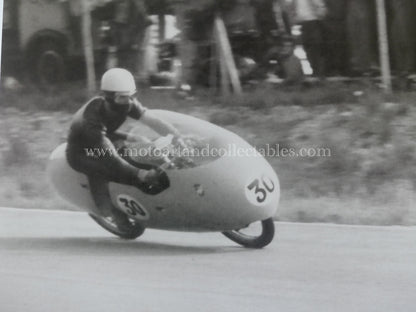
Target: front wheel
{"x": 133, "y": 231}
{"x": 248, "y": 239}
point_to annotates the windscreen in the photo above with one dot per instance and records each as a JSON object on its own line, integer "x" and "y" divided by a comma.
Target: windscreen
{"x": 202, "y": 142}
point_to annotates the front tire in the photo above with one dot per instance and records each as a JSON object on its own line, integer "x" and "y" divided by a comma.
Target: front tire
{"x": 108, "y": 223}
{"x": 253, "y": 241}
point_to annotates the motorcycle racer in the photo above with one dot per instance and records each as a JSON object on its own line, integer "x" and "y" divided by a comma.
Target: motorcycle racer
{"x": 94, "y": 126}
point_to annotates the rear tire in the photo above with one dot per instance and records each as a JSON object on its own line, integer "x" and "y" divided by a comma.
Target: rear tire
{"x": 253, "y": 241}
{"x": 111, "y": 226}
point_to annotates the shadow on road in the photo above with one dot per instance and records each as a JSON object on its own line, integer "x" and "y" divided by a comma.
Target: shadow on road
{"x": 108, "y": 246}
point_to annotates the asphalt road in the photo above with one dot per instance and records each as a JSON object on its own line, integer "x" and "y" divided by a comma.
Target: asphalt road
{"x": 62, "y": 261}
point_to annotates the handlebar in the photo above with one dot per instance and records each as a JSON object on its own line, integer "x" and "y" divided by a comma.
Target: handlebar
{"x": 168, "y": 157}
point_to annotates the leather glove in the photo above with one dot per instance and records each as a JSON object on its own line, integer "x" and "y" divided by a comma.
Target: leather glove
{"x": 149, "y": 177}
{"x": 153, "y": 181}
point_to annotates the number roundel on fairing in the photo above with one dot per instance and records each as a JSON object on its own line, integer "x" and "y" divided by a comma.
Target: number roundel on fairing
{"x": 259, "y": 191}
{"x": 132, "y": 207}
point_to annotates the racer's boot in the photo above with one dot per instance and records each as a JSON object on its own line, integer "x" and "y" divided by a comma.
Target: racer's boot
{"x": 102, "y": 199}
{"x": 101, "y": 195}
{"x": 121, "y": 220}
{"x": 104, "y": 207}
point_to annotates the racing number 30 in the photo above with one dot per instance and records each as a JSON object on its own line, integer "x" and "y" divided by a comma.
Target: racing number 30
{"x": 132, "y": 207}
{"x": 262, "y": 187}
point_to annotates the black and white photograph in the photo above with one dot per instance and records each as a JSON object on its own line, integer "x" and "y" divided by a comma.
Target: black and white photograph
{"x": 208, "y": 155}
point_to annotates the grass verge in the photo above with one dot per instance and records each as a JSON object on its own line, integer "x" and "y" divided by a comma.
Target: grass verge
{"x": 369, "y": 177}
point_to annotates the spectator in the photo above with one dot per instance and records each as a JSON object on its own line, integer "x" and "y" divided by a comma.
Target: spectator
{"x": 362, "y": 36}
{"x": 335, "y": 36}
{"x": 288, "y": 66}
{"x": 402, "y": 37}
{"x": 310, "y": 14}
{"x": 272, "y": 23}
{"x": 130, "y": 22}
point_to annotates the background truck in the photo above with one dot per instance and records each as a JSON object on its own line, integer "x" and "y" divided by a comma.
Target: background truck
{"x": 42, "y": 39}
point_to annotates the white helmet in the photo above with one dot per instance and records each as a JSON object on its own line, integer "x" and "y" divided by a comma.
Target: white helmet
{"x": 118, "y": 80}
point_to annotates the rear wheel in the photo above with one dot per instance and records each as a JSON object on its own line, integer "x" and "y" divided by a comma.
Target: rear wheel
{"x": 255, "y": 235}
{"x": 130, "y": 230}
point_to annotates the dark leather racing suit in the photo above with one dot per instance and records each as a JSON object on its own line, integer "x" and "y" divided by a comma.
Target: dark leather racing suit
{"x": 90, "y": 150}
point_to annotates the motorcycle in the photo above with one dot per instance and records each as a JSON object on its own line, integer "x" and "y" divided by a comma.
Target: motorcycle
{"x": 217, "y": 183}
